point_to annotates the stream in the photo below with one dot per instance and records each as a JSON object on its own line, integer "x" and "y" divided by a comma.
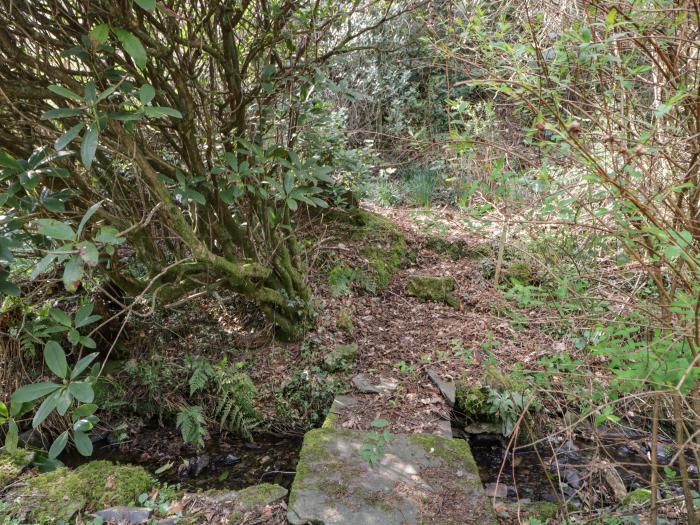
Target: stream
{"x": 226, "y": 462}
{"x": 569, "y": 469}
{"x": 575, "y": 470}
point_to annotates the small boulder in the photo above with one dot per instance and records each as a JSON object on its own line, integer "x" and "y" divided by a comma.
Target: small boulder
{"x": 61, "y": 493}
{"x": 428, "y": 288}
{"x": 342, "y": 356}
{"x": 614, "y": 480}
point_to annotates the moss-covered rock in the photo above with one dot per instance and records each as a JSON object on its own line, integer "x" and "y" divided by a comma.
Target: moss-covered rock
{"x": 333, "y": 479}
{"x": 58, "y": 495}
{"x": 341, "y": 357}
{"x": 385, "y": 247}
{"x": 12, "y": 465}
{"x": 255, "y": 498}
{"x": 519, "y": 271}
{"x": 428, "y": 288}
{"x": 637, "y": 496}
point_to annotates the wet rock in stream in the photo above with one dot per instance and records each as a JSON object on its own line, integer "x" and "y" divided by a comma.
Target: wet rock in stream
{"x": 193, "y": 467}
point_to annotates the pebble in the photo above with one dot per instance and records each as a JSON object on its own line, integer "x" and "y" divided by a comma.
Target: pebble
{"x": 230, "y": 459}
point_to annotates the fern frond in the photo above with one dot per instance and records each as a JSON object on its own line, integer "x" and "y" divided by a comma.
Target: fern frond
{"x": 201, "y": 372}
{"x": 192, "y": 425}
{"x": 235, "y": 409}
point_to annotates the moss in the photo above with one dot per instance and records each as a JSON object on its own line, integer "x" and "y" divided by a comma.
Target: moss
{"x": 519, "y": 271}
{"x": 438, "y": 289}
{"x": 313, "y": 449}
{"x": 57, "y": 495}
{"x": 637, "y": 496}
{"x": 12, "y": 464}
{"x": 330, "y": 420}
{"x": 344, "y": 321}
{"x": 260, "y": 495}
{"x": 340, "y": 358}
{"x": 542, "y": 510}
{"x": 453, "y": 452}
{"x": 459, "y": 249}
{"x": 385, "y": 248}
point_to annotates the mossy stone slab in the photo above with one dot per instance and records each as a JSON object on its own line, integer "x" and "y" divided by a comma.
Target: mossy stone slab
{"x": 429, "y": 288}
{"x": 335, "y": 485}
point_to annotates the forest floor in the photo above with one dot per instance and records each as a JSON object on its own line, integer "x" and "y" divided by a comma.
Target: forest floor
{"x": 477, "y": 340}
{"x": 400, "y": 337}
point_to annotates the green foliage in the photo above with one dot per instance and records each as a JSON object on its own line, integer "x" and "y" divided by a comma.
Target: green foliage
{"x": 201, "y": 371}
{"x": 340, "y": 280}
{"x": 420, "y": 184}
{"x": 494, "y": 404}
{"x": 192, "y": 425}
{"x": 304, "y": 400}
{"x": 373, "y": 450}
{"x": 235, "y": 395}
{"x": 70, "y": 395}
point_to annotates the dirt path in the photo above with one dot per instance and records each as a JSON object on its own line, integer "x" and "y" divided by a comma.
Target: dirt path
{"x": 400, "y": 337}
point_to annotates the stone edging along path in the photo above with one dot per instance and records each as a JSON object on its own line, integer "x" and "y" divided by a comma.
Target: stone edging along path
{"x": 419, "y": 479}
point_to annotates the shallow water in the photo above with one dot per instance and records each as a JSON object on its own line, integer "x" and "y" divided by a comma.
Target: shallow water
{"x": 226, "y": 462}
{"x": 564, "y": 470}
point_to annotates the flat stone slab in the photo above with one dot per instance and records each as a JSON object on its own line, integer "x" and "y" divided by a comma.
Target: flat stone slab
{"x": 365, "y": 385}
{"x": 419, "y": 479}
{"x": 447, "y": 388}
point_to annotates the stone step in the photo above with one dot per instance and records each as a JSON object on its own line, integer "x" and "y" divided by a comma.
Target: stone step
{"x": 418, "y": 479}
